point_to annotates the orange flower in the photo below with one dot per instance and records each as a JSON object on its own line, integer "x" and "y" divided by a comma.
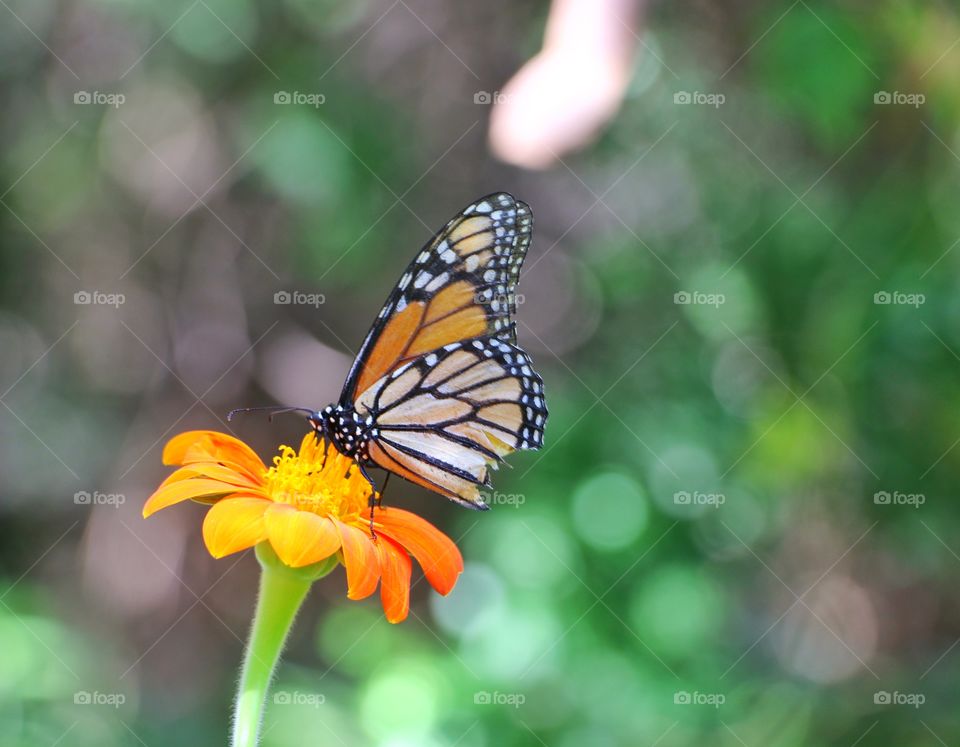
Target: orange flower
{"x": 309, "y": 505}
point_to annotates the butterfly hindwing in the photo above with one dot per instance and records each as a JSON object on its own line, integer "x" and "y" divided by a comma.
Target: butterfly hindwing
{"x": 445, "y": 418}
{"x": 461, "y": 285}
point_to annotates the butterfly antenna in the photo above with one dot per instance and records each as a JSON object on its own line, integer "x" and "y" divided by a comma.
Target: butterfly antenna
{"x": 272, "y": 410}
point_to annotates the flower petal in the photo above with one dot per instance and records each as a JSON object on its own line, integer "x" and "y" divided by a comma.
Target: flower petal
{"x": 395, "y": 584}
{"x": 215, "y": 472}
{"x": 184, "y": 490}
{"x": 235, "y": 524}
{"x": 298, "y": 537}
{"x": 360, "y": 559}
{"x": 439, "y": 557}
{"x": 210, "y": 446}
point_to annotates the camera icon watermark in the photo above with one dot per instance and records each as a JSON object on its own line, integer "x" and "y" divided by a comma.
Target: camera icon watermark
{"x": 485, "y": 697}
{"x": 96, "y": 498}
{"x": 99, "y": 298}
{"x": 899, "y": 98}
{"x": 298, "y": 698}
{"x": 896, "y": 498}
{"x": 698, "y": 298}
{"x": 697, "y": 498}
{"x": 299, "y": 98}
{"x": 699, "y": 98}
{"x": 884, "y": 697}
{"x": 299, "y": 298}
{"x": 96, "y": 698}
{"x": 100, "y": 98}
{"x": 899, "y": 298}
{"x": 685, "y": 697}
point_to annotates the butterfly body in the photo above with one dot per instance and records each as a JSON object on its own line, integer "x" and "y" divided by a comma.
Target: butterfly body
{"x": 346, "y": 429}
{"x": 440, "y": 392}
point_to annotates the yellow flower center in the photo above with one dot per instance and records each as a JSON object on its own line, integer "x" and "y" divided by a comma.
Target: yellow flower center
{"x": 318, "y": 479}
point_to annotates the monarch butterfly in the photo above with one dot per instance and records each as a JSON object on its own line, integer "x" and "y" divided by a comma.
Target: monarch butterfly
{"x": 440, "y": 392}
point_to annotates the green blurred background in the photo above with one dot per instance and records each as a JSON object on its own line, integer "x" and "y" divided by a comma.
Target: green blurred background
{"x": 742, "y": 530}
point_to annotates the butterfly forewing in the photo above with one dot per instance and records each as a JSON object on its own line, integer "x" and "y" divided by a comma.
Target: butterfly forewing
{"x": 461, "y": 285}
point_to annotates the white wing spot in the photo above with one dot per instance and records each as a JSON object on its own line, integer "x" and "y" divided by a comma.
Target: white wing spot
{"x": 438, "y": 281}
{"x": 422, "y": 279}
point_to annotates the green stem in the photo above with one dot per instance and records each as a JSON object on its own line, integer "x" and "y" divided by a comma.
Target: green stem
{"x": 282, "y": 591}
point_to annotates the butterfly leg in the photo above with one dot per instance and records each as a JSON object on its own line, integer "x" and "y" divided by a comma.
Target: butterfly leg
{"x": 373, "y": 496}
{"x": 383, "y": 490}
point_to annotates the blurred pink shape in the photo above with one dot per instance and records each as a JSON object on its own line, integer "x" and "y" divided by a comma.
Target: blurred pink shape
{"x": 561, "y": 99}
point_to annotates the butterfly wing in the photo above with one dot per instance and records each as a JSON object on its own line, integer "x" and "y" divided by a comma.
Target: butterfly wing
{"x": 442, "y": 420}
{"x": 461, "y": 285}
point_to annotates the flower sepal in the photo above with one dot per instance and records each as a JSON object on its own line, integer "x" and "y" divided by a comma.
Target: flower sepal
{"x": 269, "y": 561}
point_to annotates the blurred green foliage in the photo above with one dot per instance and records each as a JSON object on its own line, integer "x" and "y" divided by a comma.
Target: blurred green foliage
{"x": 703, "y": 523}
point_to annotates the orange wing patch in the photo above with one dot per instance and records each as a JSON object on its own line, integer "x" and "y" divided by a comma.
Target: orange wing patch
{"x": 391, "y": 345}
{"x": 470, "y": 234}
{"x": 450, "y": 316}
{"x": 452, "y": 298}
{"x": 462, "y": 325}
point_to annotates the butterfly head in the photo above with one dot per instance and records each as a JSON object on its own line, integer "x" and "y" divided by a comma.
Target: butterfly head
{"x": 320, "y": 421}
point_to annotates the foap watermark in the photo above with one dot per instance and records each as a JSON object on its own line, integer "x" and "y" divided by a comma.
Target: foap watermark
{"x": 883, "y": 697}
{"x": 485, "y": 697}
{"x": 96, "y": 498}
{"x": 899, "y": 298}
{"x": 699, "y": 98}
{"x": 896, "y": 498}
{"x": 299, "y": 98}
{"x": 299, "y": 298}
{"x": 499, "y": 300}
{"x": 298, "y": 698}
{"x": 698, "y": 298}
{"x": 485, "y": 98}
{"x": 99, "y": 98}
{"x": 503, "y": 499}
{"x": 98, "y": 298}
{"x": 97, "y": 698}
{"x": 696, "y": 498}
{"x": 684, "y": 697}
{"x": 899, "y": 98}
